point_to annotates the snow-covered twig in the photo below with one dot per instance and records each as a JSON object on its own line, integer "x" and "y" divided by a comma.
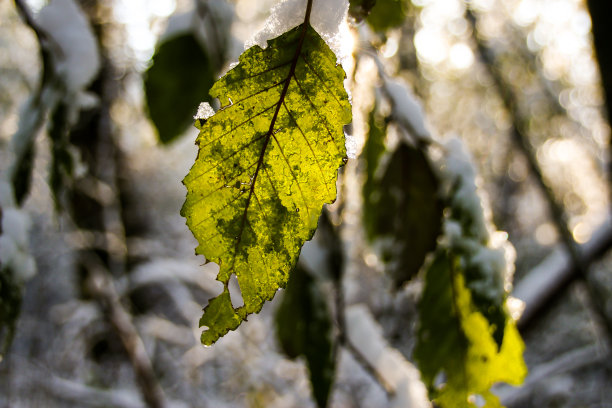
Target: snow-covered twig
{"x": 406, "y": 111}
{"x": 555, "y": 272}
{"x": 400, "y": 378}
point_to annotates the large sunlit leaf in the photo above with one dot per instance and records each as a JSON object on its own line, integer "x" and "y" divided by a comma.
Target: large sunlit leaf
{"x": 456, "y": 352}
{"x": 267, "y": 163}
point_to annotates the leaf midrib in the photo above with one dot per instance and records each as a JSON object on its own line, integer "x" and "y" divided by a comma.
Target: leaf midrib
{"x": 270, "y": 132}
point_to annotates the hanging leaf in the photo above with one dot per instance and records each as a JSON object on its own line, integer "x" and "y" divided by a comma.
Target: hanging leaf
{"x": 387, "y": 14}
{"x": 176, "y": 82}
{"x": 22, "y": 178}
{"x": 373, "y": 150}
{"x": 457, "y": 355}
{"x": 267, "y": 163}
{"x": 303, "y": 327}
{"x": 402, "y": 211}
{"x": 10, "y": 306}
{"x": 359, "y": 9}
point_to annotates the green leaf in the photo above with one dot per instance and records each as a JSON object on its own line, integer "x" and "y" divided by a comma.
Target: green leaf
{"x": 359, "y": 9}
{"x": 10, "y": 305}
{"x": 373, "y": 150}
{"x": 267, "y": 163}
{"x": 387, "y": 14}
{"x": 303, "y": 327}
{"x": 22, "y": 178}
{"x": 176, "y": 82}
{"x": 402, "y": 210}
{"x": 455, "y": 341}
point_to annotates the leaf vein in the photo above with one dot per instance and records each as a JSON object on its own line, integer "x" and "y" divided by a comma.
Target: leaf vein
{"x": 309, "y": 146}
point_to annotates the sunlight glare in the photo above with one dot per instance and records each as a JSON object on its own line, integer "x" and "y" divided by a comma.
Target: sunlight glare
{"x": 461, "y": 56}
{"x": 581, "y": 233}
{"x": 431, "y": 45}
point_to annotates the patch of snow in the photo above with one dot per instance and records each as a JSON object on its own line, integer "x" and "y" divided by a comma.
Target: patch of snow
{"x": 328, "y": 18}
{"x": 458, "y": 173}
{"x": 407, "y": 110}
{"x": 14, "y": 247}
{"x": 351, "y": 145}
{"x": 205, "y": 111}
{"x": 365, "y": 334}
{"x": 74, "y": 46}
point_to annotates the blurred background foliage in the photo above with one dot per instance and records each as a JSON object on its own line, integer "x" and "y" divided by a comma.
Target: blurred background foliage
{"x": 517, "y": 81}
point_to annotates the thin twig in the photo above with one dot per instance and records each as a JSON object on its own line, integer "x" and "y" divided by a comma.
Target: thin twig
{"x": 103, "y": 288}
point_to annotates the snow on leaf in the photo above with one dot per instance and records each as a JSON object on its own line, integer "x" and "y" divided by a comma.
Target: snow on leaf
{"x": 486, "y": 255}
{"x": 267, "y": 163}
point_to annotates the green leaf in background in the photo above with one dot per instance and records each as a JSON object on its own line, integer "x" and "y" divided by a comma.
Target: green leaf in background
{"x": 402, "y": 210}
{"x": 10, "y": 305}
{"x": 303, "y": 327}
{"x": 359, "y": 9}
{"x": 457, "y": 355}
{"x": 267, "y": 162}
{"x": 373, "y": 150}
{"x": 177, "y": 81}
{"x": 387, "y": 14}
{"x": 22, "y": 179}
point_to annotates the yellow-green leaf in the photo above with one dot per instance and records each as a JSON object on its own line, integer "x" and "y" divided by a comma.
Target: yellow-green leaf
{"x": 458, "y": 357}
{"x": 267, "y": 163}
